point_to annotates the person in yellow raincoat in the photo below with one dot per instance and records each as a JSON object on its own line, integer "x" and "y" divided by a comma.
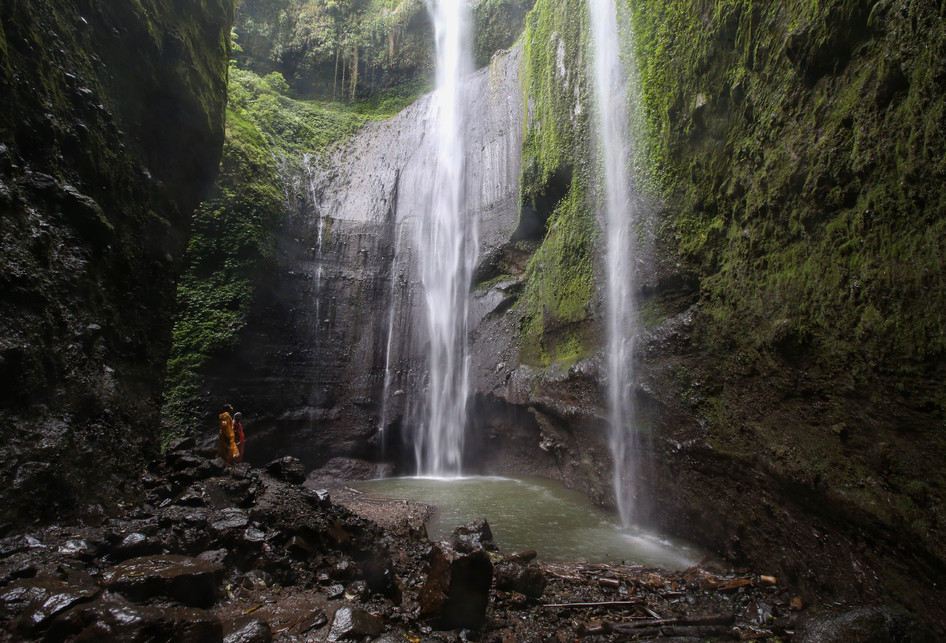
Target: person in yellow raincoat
{"x": 226, "y": 445}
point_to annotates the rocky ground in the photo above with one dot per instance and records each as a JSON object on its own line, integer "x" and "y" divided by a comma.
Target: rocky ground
{"x": 248, "y": 555}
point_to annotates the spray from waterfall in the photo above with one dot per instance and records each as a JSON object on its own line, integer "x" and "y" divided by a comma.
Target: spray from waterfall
{"x": 620, "y": 220}
{"x": 447, "y": 247}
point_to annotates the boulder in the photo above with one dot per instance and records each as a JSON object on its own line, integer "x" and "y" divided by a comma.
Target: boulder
{"x": 32, "y": 603}
{"x": 473, "y": 536}
{"x": 529, "y": 580}
{"x": 108, "y": 621}
{"x": 247, "y": 629}
{"x": 874, "y": 624}
{"x": 456, "y": 591}
{"x": 191, "y": 581}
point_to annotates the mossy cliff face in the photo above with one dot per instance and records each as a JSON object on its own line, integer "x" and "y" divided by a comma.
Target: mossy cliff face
{"x": 798, "y": 149}
{"x": 111, "y": 122}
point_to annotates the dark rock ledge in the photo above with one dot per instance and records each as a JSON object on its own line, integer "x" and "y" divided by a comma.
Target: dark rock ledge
{"x": 236, "y": 554}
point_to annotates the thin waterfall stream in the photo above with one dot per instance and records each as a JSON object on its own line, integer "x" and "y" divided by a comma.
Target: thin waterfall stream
{"x": 620, "y": 221}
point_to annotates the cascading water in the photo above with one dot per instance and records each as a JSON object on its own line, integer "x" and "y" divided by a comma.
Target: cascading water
{"x": 447, "y": 247}
{"x": 620, "y": 220}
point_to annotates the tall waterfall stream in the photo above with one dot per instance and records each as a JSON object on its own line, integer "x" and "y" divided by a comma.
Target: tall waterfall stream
{"x": 447, "y": 244}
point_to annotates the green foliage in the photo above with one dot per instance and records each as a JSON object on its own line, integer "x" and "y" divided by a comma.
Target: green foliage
{"x": 556, "y": 94}
{"x": 560, "y": 286}
{"x": 291, "y": 127}
{"x": 798, "y": 148}
{"x": 341, "y": 49}
{"x": 231, "y": 246}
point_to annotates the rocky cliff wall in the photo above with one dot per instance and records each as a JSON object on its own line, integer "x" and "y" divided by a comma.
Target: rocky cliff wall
{"x": 797, "y": 359}
{"x": 111, "y": 122}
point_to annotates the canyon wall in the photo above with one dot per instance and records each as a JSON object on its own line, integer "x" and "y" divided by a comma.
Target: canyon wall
{"x": 790, "y": 382}
{"x": 111, "y": 124}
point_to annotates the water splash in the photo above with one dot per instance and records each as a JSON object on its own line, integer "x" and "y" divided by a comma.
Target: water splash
{"x": 447, "y": 244}
{"x": 621, "y": 218}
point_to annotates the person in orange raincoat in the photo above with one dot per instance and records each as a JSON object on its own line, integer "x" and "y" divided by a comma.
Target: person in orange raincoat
{"x": 226, "y": 446}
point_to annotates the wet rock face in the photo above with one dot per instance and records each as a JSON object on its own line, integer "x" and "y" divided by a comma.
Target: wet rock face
{"x": 111, "y": 126}
{"x": 345, "y": 315}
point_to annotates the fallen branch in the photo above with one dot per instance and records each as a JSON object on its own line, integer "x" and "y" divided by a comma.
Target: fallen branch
{"x": 597, "y": 604}
{"x": 714, "y": 619}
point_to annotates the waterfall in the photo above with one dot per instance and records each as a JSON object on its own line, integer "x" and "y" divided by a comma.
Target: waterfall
{"x": 620, "y": 215}
{"x": 447, "y": 246}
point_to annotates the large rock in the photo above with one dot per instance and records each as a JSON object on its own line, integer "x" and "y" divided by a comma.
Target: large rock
{"x": 456, "y": 591}
{"x": 191, "y": 581}
{"x": 114, "y": 622}
{"x": 876, "y": 624}
{"x": 353, "y": 623}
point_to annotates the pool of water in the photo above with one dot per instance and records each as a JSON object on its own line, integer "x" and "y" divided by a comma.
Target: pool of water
{"x": 525, "y": 513}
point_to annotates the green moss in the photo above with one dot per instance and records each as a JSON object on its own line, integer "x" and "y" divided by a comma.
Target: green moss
{"x": 559, "y": 292}
{"x": 557, "y": 302}
{"x": 797, "y": 148}
{"x": 794, "y": 160}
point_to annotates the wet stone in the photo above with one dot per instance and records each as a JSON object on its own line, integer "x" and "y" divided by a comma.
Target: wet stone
{"x": 247, "y": 629}
{"x": 353, "y": 623}
{"x": 254, "y": 535}
{"x": 473, "y": 536}
{"x": 216, "y": 556}
{"x": 33, "y": 602}
{"x": 192, "y": 497}
{"x": 191, "y": 581}
{"x": 230, "y": 522}
{"x": 110, "y": 621}
{"x": 134, "y": 545}
{"x": 15, "y": 544}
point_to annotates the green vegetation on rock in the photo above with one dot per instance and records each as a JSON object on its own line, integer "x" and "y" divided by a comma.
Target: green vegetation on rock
{"x": 232, "y": 247}
{"x": 798, "y": 148}
{"x": 559, "y": 296}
